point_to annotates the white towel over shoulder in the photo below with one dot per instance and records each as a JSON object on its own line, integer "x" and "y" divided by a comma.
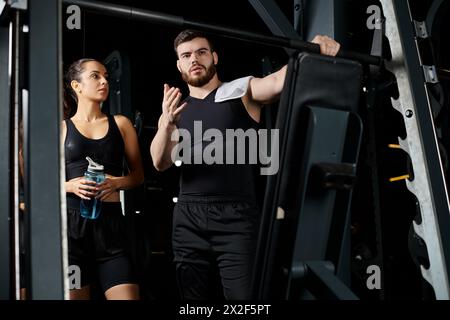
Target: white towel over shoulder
{"x": 232, "y": 90}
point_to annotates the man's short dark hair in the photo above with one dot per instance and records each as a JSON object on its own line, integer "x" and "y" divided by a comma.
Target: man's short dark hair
{"x": 188, "y": 35}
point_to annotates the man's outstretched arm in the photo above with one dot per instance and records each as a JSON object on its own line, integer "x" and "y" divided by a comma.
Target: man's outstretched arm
{"x": 268, "y": 89}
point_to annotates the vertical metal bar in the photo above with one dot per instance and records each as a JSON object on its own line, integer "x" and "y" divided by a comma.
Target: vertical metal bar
{"x": 5, "y": 164}
{"x": 421, "y": 144}
{"x": 299, "y": 17}
{"x": 43, "y": 193}
{"x": 15, "y": 75}
{"x": 324, "y": 17}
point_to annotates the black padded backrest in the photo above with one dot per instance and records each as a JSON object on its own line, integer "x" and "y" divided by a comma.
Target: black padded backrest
{"x": 312, "y": 81}
{"x": 324, "y": 81}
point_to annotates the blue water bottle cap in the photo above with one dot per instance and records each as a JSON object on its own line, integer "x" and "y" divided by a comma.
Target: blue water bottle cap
{"x": 94, "y": 166}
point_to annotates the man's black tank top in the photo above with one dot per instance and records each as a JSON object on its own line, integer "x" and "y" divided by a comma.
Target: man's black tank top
{"x": 108, "y": 151}
{"x": 216, "y": 179}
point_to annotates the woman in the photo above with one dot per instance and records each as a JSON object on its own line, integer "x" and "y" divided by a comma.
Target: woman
{"x": 97, "y": 246}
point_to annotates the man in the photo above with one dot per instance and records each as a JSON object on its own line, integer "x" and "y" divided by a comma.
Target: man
{"x": 215, "y": 220}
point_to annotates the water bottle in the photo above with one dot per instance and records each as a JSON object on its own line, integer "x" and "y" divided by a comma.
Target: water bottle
{"x": 90, "y": 209}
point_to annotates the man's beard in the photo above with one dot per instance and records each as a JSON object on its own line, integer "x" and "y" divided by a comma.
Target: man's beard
{"x": 202, "y": 80}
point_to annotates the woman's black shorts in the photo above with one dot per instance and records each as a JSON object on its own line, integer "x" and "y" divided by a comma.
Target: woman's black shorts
{"x": 99, "y": 247}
